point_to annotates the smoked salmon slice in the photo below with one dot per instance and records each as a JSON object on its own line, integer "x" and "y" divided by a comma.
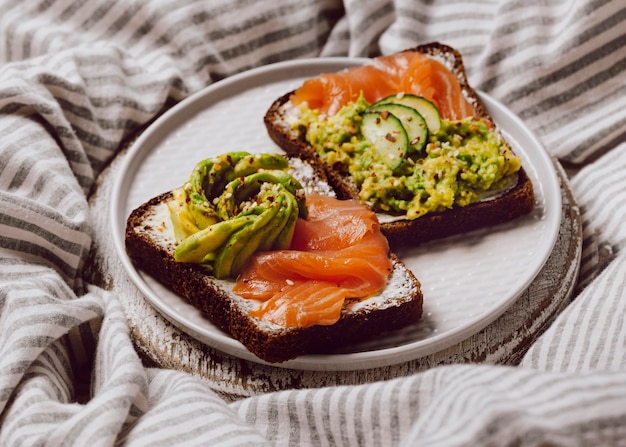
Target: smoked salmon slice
{"x": 336, "y": 254}
{"x": 407, "y": 72}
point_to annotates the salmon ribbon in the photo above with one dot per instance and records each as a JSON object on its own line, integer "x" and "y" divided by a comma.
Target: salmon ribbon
{"x": 234, "y": 205}
{"x": 406, "y": 72}
{"x": 338, "y": 253}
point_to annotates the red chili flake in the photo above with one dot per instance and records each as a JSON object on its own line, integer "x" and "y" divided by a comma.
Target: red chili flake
{"x": 390, "y": 137}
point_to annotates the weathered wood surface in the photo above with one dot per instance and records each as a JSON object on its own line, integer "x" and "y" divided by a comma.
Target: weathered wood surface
{"x": 502, "y": 342}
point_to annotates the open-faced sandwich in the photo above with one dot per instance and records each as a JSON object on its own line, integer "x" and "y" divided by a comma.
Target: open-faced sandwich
{"x": 290, "y": 254}
{"x": 406, "y": 135}
{"x": 261, "y": 246}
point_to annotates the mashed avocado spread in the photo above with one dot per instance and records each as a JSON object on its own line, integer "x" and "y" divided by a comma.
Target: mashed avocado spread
{"x": 460, "y": 163}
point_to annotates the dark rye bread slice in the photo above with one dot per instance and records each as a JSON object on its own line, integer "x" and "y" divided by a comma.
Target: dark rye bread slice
{"x": 150, "y": 244}
{"x": 516, "y": 201}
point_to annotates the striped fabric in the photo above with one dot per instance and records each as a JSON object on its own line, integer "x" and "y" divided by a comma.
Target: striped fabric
{"x": 80, "y": 77}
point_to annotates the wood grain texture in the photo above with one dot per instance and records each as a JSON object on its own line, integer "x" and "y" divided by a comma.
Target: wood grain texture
{"x": 162, "y": 344}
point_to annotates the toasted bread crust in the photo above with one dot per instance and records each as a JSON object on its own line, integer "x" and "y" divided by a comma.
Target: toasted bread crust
{"x": 516, "y": 202}
{"x": 271, "y": 344}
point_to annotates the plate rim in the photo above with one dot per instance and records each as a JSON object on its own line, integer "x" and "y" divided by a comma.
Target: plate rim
{"x": 345, "y": 361}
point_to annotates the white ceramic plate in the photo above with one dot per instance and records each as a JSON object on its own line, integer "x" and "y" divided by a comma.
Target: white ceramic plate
{"x": 467, "y": 281}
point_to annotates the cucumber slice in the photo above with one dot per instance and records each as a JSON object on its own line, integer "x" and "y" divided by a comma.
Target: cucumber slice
{"x": 426, "y": 108}
{"x": 413, "y": 122}
{"x": 387, "y": 135}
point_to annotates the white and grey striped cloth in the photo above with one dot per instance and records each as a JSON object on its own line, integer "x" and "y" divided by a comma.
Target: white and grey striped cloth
{"x": 79, "y": 77}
